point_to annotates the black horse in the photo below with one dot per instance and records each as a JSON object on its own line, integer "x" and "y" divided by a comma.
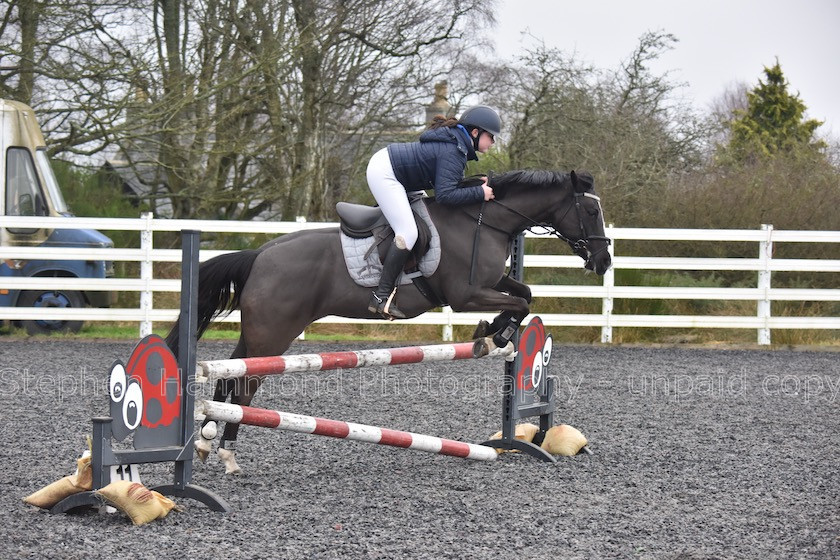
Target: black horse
{"x": 298, "y": 278}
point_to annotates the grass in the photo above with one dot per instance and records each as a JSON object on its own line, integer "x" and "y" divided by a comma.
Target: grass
{"x": 327, "y": 333}
{"x": 430, "y": 334}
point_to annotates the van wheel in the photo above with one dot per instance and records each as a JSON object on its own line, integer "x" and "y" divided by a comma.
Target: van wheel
{"x": 57, "y": 298}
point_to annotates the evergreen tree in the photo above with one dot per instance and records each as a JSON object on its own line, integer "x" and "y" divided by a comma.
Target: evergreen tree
{"x": 772, "y": 124}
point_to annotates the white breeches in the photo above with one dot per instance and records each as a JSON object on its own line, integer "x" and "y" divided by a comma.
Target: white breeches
{"x": 391, "y": 196}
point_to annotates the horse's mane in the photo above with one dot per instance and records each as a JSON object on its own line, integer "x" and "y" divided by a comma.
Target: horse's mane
{"x": 529, "y": 178}
{"x": 524, "y": 178}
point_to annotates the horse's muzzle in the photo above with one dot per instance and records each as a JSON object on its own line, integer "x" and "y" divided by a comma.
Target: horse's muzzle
{"x": 599, "y": 262}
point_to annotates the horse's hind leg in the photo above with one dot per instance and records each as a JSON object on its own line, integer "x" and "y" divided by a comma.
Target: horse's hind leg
{"x": 242, "y": 395}
{"x": 209, "y": 427}
{"x": 241, "y": 392}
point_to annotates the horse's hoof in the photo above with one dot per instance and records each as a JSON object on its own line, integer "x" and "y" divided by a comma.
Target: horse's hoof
{"x": 229, "y": 460}
{"x": 481, "y": 330}
{"x": 482, "y": 347}
{"x": 202, "y": 448}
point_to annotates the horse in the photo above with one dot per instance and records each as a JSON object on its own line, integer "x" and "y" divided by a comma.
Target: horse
{"x": 292, "y": 281}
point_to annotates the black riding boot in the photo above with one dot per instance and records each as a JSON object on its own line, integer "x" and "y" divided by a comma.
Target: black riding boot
{"x": 381, "y": 300}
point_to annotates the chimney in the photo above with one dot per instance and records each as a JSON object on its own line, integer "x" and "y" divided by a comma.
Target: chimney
{"x": 439, "y": 106}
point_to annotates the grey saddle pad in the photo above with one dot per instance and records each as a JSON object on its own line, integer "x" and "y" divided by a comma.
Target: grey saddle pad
{"x": 366, "y": 271}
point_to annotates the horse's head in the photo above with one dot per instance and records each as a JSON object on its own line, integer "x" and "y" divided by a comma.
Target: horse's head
{"x": 566, "y": 204}
{"x": 582, "y": 223}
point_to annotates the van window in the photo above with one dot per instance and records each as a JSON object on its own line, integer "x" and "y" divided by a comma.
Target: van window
{"x": 23, "y": 191}
{"x": 47, "y": 173}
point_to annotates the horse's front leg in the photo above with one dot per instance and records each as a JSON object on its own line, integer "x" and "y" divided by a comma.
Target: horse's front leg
{"x": 503, "y": 319}
{"x": 514, "y": 310}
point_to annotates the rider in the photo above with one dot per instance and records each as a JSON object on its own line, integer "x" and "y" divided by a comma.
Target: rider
{"x": 437, "y": 161}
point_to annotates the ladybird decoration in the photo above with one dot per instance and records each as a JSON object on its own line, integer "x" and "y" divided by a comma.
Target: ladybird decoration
{"x": 146, "y": 395}
{"x": 535, "y": 354}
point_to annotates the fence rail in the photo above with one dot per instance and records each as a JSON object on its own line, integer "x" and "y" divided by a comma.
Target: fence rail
{"x": 763, "y": 294}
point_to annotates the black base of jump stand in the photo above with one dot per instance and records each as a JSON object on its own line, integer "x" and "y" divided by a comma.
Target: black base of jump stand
{"x": 524, "y": 446}
{"x": 87, "y": 500}
{"x": 103, "y": 457}
{"x": 511, "y": 413}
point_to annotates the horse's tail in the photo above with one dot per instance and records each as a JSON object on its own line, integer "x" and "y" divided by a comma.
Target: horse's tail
{"x": 220, "y": 283}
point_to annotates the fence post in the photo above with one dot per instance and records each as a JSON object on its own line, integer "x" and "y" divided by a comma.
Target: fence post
{"x": 146, "y": 274}
{"x": 607, "y": 305}
{"x": 765, "y": 254}
{"x": 302, "y": 335}
{"x": 447, "y": 327}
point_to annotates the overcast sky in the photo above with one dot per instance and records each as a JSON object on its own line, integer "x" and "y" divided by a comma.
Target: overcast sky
{"x": 721, "y": 42}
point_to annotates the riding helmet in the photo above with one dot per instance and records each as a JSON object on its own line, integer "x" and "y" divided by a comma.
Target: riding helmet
{"x": 483, "y": 117}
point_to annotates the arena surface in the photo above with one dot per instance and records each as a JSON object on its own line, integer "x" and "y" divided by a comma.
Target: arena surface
{"x": 698, "y": 453}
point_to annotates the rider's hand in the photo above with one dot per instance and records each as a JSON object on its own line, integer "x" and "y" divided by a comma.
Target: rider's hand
{"x": 488, "y": 192}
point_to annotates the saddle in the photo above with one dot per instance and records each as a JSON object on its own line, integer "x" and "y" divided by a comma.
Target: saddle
{"x": 361, "y": 222}
{"x": 366, "y": 236}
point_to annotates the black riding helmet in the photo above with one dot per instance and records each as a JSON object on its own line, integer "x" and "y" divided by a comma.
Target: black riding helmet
{"x": 483, "y": 118}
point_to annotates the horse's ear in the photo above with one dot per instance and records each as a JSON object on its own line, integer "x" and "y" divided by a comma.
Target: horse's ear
{"x": 584, "y": 182}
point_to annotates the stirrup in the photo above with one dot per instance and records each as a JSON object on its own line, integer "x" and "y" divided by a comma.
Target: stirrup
{"x": 385, "y": 307}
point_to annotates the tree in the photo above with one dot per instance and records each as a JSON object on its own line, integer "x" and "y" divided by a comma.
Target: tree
{"x": 62, "y": 58}
{"x": 769, "y": 168}
{"x": 273, "y": 109}
{"x": 18, "y": 64}
{"x": 773, "y": 122}
{"x": 248, "y": 107}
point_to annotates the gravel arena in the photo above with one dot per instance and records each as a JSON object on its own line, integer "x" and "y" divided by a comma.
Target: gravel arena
{"x": 697, "y": 454}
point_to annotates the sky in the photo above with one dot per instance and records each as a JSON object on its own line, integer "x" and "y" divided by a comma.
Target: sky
{"x": 721, "y": 42}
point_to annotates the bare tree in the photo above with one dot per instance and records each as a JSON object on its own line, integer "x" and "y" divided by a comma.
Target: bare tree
{"x": 624, "y": 126}
{"x": 59, "y": 57}
{"x": 245, "y": 106}
{"x": 17, "y": 58}
{"x": 722, "y": 111}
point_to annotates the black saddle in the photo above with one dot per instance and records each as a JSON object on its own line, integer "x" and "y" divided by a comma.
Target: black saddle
{"x": 359, "y": 222}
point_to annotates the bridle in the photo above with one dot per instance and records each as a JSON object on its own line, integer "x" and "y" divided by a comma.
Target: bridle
{"x": 580, "y": 245}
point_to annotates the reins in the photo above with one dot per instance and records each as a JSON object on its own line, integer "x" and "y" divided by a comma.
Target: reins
{"x": 580, "y": 246}
{"x": 577, "y": 245}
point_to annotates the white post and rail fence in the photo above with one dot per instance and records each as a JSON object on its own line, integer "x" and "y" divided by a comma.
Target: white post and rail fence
{"x": 763, "y": 293}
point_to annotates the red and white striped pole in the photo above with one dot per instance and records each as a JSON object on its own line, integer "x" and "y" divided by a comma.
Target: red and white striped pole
{"x": 237, "y": 414}
{"x": 275, "y": 365}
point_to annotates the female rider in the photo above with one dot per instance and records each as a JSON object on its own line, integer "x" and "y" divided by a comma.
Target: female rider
{"x": 436, "y": 161}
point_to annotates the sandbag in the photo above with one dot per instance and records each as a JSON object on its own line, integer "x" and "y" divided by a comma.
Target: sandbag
{"x": 524, "y": 432}
{"x": 563, "y": 440}
{"x": 139, "y": 503}
{"x": 53, "y": 493}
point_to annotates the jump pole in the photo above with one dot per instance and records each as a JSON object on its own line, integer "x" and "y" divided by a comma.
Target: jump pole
{"x": 275, "y": 365}
{"x": 299, "y": 423}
